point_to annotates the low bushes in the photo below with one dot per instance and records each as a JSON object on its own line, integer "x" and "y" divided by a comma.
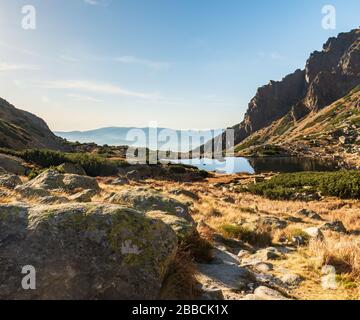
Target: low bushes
{"x": 344, "y": 184}
{"x": 260, "y": 236}
{"x": 94, "y": 165}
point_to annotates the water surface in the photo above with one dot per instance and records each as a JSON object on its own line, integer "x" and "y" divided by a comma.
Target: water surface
{"x": 232, "y": 165}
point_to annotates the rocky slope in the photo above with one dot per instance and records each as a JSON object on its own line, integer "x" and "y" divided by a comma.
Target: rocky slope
{"x": 20, "y": 130}
{"x": 332, "y": 133}
{"x": 328, "y": 76}
{"x": 126, "y": 237}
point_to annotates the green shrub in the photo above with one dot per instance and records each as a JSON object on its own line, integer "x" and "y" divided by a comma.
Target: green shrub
{"x": 260, "y": 236}
{"x": 344, "y": 184}
{"x": 93, "y": 165}
{"x": 177, "y": 169}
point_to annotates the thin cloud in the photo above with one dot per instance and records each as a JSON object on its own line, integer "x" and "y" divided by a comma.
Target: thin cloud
{"x": 97, "y": 2}
{"x": 145, "y": 62}
{"x": 16, "y": 67}
{"x": 271, "y": 55}
{"x": 80, "y": 97}
{"x": 92, "y": 2}
{"x": 90, "y": 86}
{"x": 68, "y": 58}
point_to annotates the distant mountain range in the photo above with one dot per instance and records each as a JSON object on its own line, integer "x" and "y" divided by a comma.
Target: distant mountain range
{"x": 181, "y": 140}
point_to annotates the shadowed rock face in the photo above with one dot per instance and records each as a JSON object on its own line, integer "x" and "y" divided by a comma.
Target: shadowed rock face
{"x": 83, "y": 252}
{"x": 20, "y": 129}
{"x": 328, "y": 76}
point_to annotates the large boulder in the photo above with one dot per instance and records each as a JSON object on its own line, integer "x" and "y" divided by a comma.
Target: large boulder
{"x": 71, "y": 168}
{"x": 183, "y": 228}
{"x": 30, "y": 192}
{"x": 83, "y": 251}
{"x": 145, "y": 200}
{"x": 73, "y": 182}
{"x": 12, "y": 164}
{"x": 54, "y": 180}
{"x": 47, "y": 180}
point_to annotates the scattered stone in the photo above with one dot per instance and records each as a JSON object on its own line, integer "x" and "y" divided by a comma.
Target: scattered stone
{"x": 83, "y": 196}
{"x": 265, "y": 293}
{"x": 53, "y": 200}
{"x": 298, "y": 240}
{"x": 314, "y": 233}
{"x": 25, "y": 191}
{"x": 222, "y": 256}
{"x": 267, "y": 254}
{"x": 263, "y": 267}
{"x": 243, "y": 253}
{"x": 211, "y": 294}
{"x": 294, "y": 219}
{"x": 120, "y": 181}
{"x": 228, "y": 199}
{"x": 226, "y": 276}
{"x": 274, "y": 222}
{"x": 10, "y": 181}
{"x": 309, "y": 214}
{"x": 336, "y": 226}
{"x": 291, "y": 280}
{"x": 343, "y": 140}
{"x": 186, "y": 193}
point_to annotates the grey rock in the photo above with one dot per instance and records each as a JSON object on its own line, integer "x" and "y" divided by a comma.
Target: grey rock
{"x": 226, "y": 276}
{"x": 265, "y": 293}
{"x": 25, "y": 191}
{"x": 146, "y": 200}
{"x": 83, "y": 196}
{"x": 309, "y": 214}
{"x": 291, "y": 280}
{"x": 12, "y": 164}
{"x": 222, "y": 256}
{"x": 83, "y": 252}
{"x": 183, "y": 228}
{"x": 211, "y": 294}
{"x": 10, "y": 181}
{"x": 314, "y": 233}
{"x": 53, "y": 200}
{"x": 120, "y": 181}
{"x": 53, "y": 180}
{"x": 185, "y": 193}
{"x": 336, "y": 226}
{"x": 263, "y": 267}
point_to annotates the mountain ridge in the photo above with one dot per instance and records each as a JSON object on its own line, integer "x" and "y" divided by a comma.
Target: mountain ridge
{"x": 21, "y": 129}
{"x": 329, "y": 75}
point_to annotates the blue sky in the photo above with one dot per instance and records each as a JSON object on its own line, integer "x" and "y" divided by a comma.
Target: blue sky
{"x": 182, "y": 63}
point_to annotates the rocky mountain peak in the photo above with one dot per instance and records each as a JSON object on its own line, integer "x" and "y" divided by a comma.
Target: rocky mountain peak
{"x": 328, "y": 75}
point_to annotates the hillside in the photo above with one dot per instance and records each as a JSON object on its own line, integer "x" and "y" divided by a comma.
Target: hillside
{"x": 332, "y": 133}
{"x": 20, "y": 130}
{"x": 328, "y": 76}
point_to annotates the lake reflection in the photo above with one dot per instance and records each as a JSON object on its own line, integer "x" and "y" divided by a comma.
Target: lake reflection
{"x": 232, "y": 165}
